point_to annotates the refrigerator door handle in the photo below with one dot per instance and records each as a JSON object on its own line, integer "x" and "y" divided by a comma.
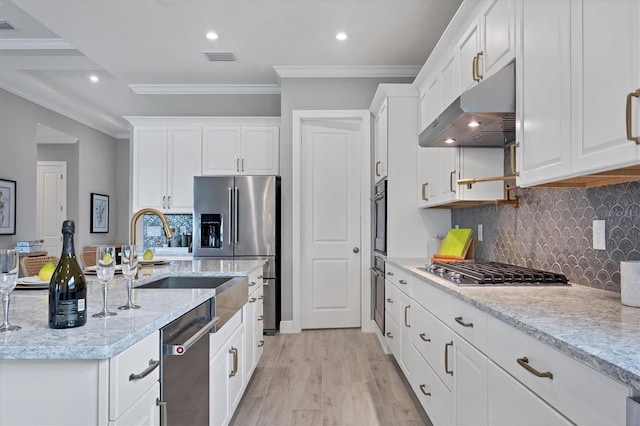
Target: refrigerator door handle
{"x": 230, "y": 215}
{"x": 235, "y": 212}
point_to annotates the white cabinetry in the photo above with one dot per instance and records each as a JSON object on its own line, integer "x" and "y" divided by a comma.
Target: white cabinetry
{"x": 93, "y": 391}
{"x": 254, "y": 320}
{"x": 584, "y": 57}
{"x": 165, "y": 160}
{"x": 442, "y": 167}
{"x": 247, "y": 149}
{"x": 381, "y": 142}
{"x": 226, "y": 370}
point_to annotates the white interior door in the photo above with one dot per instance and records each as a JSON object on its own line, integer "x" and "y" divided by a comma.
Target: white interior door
{"x": 51, "y": 204}
{"x": 330, "y": 223}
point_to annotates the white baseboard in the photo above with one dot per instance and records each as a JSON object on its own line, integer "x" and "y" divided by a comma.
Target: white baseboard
{"x": 288, "y": 327}
{"x": 369, "y": 327}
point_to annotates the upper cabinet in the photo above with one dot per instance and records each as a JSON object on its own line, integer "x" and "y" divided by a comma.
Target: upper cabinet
{"x": 241, "y": 149}
{"x": 381, "y": 142}
{"x": 165, "y": 160}
{"x": 576, "y": 87}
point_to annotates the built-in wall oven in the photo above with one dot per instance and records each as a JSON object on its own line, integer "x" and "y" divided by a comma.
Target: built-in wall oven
{"x": 379, "y": 205}
{"x": 377, "y": 291}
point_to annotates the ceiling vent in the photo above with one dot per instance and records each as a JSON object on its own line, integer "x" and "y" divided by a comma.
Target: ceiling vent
{"x": 220, "y": 56}
{"x": 4, "y": 25}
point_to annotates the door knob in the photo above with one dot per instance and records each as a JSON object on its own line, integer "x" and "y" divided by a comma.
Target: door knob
{"x": 356, "y": 250}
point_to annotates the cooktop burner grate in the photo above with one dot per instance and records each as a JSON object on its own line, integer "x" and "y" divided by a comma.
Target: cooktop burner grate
{"x": 472, "y": 272}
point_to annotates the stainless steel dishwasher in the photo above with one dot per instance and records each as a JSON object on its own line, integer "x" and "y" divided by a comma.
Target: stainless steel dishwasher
{"x": 184, "y": 373}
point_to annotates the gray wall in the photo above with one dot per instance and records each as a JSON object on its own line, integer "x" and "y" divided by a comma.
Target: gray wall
{"x": 553, "y": 230}
{"x": 95, "y": 164}
{"x": 311, "y": 94}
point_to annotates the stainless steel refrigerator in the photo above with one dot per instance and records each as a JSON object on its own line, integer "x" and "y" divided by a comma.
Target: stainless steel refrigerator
{"x": 239, "y": 217}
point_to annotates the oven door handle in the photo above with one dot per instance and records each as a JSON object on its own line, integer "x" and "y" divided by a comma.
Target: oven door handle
{"x": 182, "y": 349}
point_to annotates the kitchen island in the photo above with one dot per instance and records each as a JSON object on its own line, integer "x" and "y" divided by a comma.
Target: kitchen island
{"x": 103, "y": 372}
{"x": 576, "y": 348}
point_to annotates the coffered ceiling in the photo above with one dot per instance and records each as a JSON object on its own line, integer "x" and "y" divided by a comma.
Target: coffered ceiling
{"x": 149, "y": 55}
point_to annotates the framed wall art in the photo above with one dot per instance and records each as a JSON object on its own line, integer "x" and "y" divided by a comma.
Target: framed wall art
{"x": 99, "y": 213}
{"x": 7, "y": 207}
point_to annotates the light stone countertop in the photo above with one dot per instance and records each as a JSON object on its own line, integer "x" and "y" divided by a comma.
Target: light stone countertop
{"x": 587, "y": 324}
{"x": 102, "y": 338}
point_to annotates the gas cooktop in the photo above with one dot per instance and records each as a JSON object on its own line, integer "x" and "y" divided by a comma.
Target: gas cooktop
{"x": 466, "y": 272}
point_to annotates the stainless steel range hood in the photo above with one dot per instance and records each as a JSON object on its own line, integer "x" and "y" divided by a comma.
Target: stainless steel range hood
{"x": 491, "y": 103}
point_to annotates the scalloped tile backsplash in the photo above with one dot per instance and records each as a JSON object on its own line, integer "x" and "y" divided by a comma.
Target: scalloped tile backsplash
{"x": 553, "y": 230}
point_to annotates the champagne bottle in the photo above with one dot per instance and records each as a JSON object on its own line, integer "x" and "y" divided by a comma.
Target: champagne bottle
{"x": 67, "y": 288}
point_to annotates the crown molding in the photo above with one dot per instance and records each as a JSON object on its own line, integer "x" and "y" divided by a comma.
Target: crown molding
{"x": 59, "y": 109}
{"x": 34, "y": 44}
{"x": 353, "y": 71}
{"x": 205, "y": 89}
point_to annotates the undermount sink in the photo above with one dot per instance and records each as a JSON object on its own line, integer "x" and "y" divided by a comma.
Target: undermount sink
{"x": 187, "y": 282}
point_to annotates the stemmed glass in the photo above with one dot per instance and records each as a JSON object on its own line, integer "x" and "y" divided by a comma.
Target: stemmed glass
{"x": 8, "y": 276}
{"x": 105, "y": 268}
{"x": 129, "y": 264}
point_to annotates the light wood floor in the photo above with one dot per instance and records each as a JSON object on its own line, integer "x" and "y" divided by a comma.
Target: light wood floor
{"x": 327, "y": 377}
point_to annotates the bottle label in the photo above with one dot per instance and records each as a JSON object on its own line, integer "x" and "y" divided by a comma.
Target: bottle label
{"x": 68, "y": 311}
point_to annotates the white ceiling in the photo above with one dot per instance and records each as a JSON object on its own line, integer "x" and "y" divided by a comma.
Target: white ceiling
{"x": 149, "y": 56}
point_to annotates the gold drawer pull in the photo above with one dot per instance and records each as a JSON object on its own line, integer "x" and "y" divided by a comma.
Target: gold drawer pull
{"x": 473, "y": 68}
{"x": 512, "y": 150}
{"x": 261, "y": 344}
{"x": 260, "y": 297}
{"x": 480, "y": 76}
{"x": 524, "y": 363}
{"x": 390, "y": 300}
{"x": 261, "y": 317}
{"x": 252, "y": 300}
{"x": 378, "y": 168}
{"x": 389, "y": 273}
{"x": 153, "y": 364}
{"x": 389, "y": 335}
{"x": 402, "y": 281}
{"x": 406, "y": 320}
{"x": 234, "y": 369}
{"x": 462, "y": 323}
{"x": 423, "y": 389}
{"x": 423, "y": 336}
{"x": 252, "y": 283}
{"x": 425, "y": 196}
{"x": 636, "y": 139}
{"x": 446, "y": 357}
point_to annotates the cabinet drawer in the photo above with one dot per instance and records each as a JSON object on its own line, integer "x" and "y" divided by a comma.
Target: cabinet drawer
{"x": 582, "y": 394}
{"x": 399, "y": 278}
{"x": 392, "y": 335}
{"x": 220, "y": 336}
{"x": 429, "y": 336}
{"x": 470, "y": 323}
{"x": 138, "y": 359}
{"x": 392, "y": 303}
{"x": 433, "y": 395}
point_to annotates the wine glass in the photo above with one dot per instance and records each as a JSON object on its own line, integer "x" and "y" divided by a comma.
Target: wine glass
{"x": 8, "y": 275}
{"x": 105, "y": 268}
{"x": 129, "y": 264}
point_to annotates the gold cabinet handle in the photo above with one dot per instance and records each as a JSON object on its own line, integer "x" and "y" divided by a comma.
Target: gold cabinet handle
{"x": 636, "y": 139}
{"x": 406, "y": 319}
{"x": 164, "y": 201}
{"x": 234, "y": 370}
{"x": 462, "y": 323}
{"x": 524, "y": 363}
{"x": 260, "y": 297}
{"x": 252, "y": 283}
{"x": 242, "y": 169}
{"x": 389, "y": 335}
{"x": 378, "y": 163}
{"x": 425, "y": 196}
{"x": 390, "y": 300}
{"x": 237, "y": 164}
{"x": 446, "y": 357}
{"x": 423, "y": 388}
{"x": 480, "y": 76}
{"x": 452, "y": 176}
{"x": 423, "y": 336}
{"x": 261, "y": 317}
{"x": 473, "y": 68}
{"x": 402, "y": 282}
{"x": 389, "y": 273}
{"x": 252, "y": 300}
{"x": 512, "y": 150}
{"x": 261, "y": 344}
{"x": 169, "y": 202}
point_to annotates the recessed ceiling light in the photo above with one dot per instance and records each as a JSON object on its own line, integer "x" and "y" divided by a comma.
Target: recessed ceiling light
{"x": 341, "y": 36}
{"x": 94, "y": 78}
{"x": 449, "y": 140}
{"x": 212, "y": 36}
{"x": 473, "y": 124}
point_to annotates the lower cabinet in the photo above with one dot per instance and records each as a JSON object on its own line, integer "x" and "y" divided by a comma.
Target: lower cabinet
{"x": 254, "y": 320}
{"x": 144, "y": 412}
{"x": 433, "y": 395}
{"x": 469, "y": 371}
{"x": 226, "y": 370}
{"x": 512, "y": 404}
